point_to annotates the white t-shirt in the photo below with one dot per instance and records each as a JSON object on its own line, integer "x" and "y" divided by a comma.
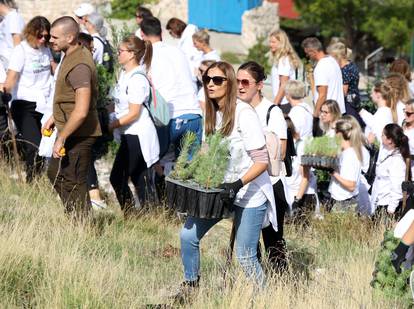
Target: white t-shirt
{"x": 410, "y": 134}
{"x": 133, "y": 88}
{"x": 98, "y": 48}
{"x": 247, "y": 135}
{"x": 277, "y": 123}
{"x": 302, "y": 118}
{"x": 171, "y": 76}
{"x": 349, "y": 169}
{"x": 212, "y": 55}
{"x": 12, "y": 23}
{"x": 2, "y": 73}
{"x": 33, "y": 66}
{"x": 293, "y": 182}
{"x": 283, "y": 68}
{"x": 376, "y": 123}
{"x": 328, "y": 73}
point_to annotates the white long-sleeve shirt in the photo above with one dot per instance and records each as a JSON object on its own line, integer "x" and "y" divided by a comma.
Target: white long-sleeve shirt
{"x": 390, "y": 173}
{"x": 376, "y": 123}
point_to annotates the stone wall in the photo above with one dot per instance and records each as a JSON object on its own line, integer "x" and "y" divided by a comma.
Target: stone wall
{"x": 52, "y": 9}
{"x": 259, "y": 22}
{"x": 166, "y": 9}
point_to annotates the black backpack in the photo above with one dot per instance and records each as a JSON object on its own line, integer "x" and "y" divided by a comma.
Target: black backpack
{"x": 290, "y": 145}
{"x": 108, "y": 55}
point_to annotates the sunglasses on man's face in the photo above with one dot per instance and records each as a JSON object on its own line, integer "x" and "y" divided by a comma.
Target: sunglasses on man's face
{"x": 217, "y": 80}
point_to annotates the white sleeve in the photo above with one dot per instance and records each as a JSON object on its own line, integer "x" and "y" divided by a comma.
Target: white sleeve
{"x": 367, "y": 117}
{"x": 17, "y": 59}
{"x": 2, "y": 73}
{"x": 397, "y": 176}
{"x": 251, "y": 129}
{"x": 138, "y": 89}
{"x": 321, "y": 76}
{"x": 284, "y": 67}
{"x": 277, "y": 123}
{"x": 97, "y": 51}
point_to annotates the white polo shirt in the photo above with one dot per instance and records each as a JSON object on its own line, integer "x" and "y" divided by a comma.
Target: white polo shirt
{"x": 283, "y": 68}
{"x": 171, "y": 76}
{"x": 328, "y": 73}
{"x": 12, "y": 23}
{"x": 302, "y": 118}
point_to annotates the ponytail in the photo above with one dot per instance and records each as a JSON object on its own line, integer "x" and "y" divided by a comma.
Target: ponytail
{"x": 395, "y": 133}
{"x": 351, "y": 131}
{"x": 142, "y": 50}
{"x": 147, "y": 57}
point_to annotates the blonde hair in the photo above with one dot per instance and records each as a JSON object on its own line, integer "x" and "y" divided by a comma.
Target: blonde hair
{"x": 400, "y": 86}
{"x": 338, "y": 51}
{"x": 388, "y": 94}
{"x": 202, "y": 36}
{"x": 334, "y": 110}
{"x": 351, "y": 131}
{"x": 286, "y": 49}
{"x": 296, "y": 89}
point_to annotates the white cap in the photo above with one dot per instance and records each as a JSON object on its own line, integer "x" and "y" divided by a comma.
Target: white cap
{"x": 84, "y": 9}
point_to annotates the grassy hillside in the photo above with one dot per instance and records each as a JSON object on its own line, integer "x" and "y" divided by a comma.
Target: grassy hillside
{"x": 47, "y": 261}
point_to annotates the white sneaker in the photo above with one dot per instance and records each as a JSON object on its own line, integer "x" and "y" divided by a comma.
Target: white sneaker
{"x": 98, "y": 205}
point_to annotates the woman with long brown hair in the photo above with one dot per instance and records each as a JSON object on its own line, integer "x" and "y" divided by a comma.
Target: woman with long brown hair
{"x": 246, "y": 184}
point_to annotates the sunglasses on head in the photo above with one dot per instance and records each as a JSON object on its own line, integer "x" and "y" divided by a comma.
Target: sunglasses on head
{"x": 245, "y": 82}
{"x": 217, "y": 80}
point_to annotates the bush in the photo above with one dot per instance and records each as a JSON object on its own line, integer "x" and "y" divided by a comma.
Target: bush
{"x": 258, "y": 53}
{"x": 230, "y": 57}
{"x": 125, "y": 9}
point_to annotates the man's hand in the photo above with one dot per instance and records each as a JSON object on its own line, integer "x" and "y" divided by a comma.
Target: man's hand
{"x": 58, "y": 148}
{"x": 49, "y": 124}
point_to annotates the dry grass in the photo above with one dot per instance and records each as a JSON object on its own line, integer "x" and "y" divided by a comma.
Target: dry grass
{"x": 47, "y": 261}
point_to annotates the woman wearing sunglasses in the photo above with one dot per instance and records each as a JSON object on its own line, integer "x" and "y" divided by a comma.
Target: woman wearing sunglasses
{"x": 250, "y": 79}
{"x": 29, "y": 79}
{"x": 139, "y": 147}
{"x": 246, "y": 177}
{"x": 408, "y": 127}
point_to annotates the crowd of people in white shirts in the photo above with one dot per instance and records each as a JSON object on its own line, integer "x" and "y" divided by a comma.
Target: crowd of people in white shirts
{"x": 204, "y": 94}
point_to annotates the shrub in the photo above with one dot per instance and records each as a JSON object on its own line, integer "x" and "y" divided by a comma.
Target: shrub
{"x": 258, "y": 53}
{"x": 230, "y": 57}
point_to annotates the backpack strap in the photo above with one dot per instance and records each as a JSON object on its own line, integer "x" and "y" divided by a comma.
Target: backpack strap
{"x": 102, "y": 41}
{"x": 268, "y": 113}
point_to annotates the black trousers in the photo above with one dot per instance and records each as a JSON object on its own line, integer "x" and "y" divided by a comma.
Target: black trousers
{"x": 274, "y": 242}
{"x": 28, "y": 125}
{"x": 129, "y": 163}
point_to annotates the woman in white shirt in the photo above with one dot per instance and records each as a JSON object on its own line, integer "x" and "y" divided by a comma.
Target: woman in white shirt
{"x": 344, "y": 184}
{"x": 29, "y": 79}
{"x": 246, "y": 178}
{"x": 285, "y": 63}
{"x": 139, "y": 147}
{"x": 11, "y": 28}
{"x": 382, "y": 95}
{"x": 250, "y": 79}
{"x": 390, "y": 170}
{"x": 408, "y": 127}
{"x": 330, "y": 113}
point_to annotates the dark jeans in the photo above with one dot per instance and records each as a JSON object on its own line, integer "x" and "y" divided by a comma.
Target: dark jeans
{"x": 28, "y": 125}
{"x": 274, "y": 242}
{"x": 181, "y": 125}
{"x": 68, "y": 175}
{"x": 129, "y": 162}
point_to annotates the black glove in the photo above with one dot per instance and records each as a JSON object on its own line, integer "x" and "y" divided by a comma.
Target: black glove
{"x": 297, "y": 204}
{"x": 398, "y": 256}
{"x": 407, "y": 186}
{"x": 230, "y": 190}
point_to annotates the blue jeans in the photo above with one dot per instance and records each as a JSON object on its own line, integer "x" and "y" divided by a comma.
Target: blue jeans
{"x": 181, "y": 125}
{"x": 248, "y": 222}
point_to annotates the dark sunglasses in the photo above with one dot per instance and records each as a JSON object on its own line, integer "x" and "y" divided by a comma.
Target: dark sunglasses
{"x": 217, "y": 80}
{"x": 44, "y": 36}
{"x": 408, "y": 114}
{"x": 138, "y": 15}
{"x": 245, "y": 82}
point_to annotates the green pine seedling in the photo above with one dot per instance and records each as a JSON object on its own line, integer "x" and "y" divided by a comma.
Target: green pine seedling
{"x": 181, "y": 170}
